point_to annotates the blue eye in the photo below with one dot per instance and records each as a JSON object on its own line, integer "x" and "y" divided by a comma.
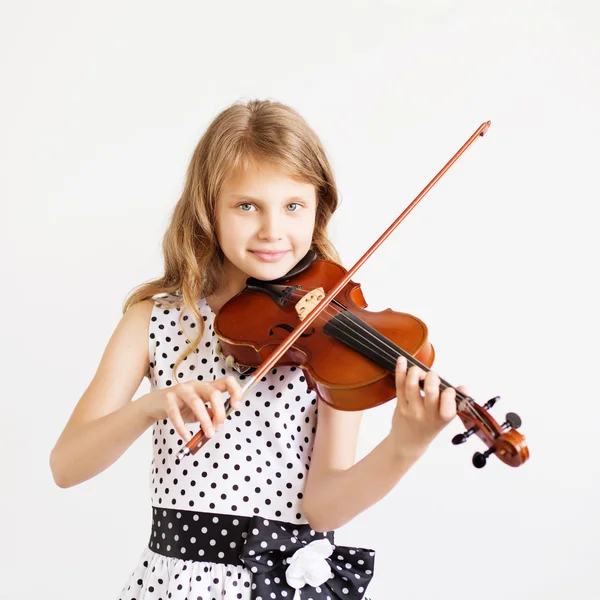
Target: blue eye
{"x": 293, "y": 204}
{"x": 245, "y": 204}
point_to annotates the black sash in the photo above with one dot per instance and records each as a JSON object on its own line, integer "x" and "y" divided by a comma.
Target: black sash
{"x": 281, "y": 556}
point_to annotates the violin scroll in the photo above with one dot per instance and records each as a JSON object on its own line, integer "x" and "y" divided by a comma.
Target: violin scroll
{"x": 502, "y": 440}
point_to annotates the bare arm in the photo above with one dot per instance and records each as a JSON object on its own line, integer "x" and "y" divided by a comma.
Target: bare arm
{"x": 337, "y": 489}
{"x": 105, "y": 422}
{"x": 334, "y": 496}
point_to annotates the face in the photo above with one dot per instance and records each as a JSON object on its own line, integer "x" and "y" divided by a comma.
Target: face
{"x": 264, "y": 224}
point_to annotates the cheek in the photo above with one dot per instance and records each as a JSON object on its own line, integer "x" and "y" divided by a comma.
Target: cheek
{"x": 304, "y": 230}
{"x": 235, "y": 235}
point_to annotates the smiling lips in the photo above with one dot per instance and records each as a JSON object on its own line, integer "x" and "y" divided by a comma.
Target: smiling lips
{"x": 269, "y": 256}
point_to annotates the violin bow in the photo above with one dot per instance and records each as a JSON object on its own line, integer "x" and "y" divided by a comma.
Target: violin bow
{"x": 494, "y": 431}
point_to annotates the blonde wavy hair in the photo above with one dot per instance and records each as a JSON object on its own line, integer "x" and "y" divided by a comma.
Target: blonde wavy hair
{"x": 245, "y": 133}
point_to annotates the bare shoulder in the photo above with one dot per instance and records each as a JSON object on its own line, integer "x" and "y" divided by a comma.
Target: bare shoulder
{"x": 336, "y": 440}
{"x": 122, "y": 367}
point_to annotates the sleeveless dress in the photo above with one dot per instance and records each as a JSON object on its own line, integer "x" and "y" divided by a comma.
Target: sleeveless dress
{"x": 249, "y": 477}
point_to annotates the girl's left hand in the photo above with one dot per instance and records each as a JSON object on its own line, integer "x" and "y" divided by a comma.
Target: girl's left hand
{"x": 420, "y": 415}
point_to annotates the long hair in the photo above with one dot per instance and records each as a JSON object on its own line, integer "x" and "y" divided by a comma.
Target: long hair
{"x": 245, "y": 133}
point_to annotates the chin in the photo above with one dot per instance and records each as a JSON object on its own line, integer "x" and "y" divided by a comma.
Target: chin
{"x": 269, "y": 272}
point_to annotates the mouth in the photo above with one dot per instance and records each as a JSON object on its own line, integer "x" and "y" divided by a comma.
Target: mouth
{"x": 268, "y": 255}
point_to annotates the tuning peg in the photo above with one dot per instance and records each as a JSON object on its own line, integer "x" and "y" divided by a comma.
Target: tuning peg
{"x": 480, "y": 459}
{"x": 512, "y": 420}
{"x": 460, "y": 438}
{"x": 491, "y": 402}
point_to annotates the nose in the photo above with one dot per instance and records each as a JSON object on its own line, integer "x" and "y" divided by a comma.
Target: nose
{"x": 271, "y": 227}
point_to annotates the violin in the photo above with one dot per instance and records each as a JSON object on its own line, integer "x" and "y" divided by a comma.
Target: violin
{"x": 315, "y": 318}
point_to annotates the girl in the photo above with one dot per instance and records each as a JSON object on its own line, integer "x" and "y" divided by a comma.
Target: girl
{"x": 253, "y": 513}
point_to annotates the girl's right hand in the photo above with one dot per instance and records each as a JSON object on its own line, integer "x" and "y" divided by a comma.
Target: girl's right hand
{"x": 185, "y": 403}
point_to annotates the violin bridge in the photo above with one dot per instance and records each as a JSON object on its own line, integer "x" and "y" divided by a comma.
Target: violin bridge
{"x": 308, "y": 302}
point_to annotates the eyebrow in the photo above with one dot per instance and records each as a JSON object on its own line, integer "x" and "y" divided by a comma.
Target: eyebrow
{"x": 250, "y": 198}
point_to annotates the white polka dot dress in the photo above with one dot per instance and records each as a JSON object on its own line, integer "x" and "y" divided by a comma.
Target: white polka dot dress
{"x": 251, "y": 471}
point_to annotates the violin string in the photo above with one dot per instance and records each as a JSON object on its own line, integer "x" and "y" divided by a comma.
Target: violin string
{"x": 411, "y": 360}
{"x": 391, "y": 356}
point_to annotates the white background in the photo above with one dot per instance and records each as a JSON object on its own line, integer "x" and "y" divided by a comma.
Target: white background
{"x": 102, "y": 105}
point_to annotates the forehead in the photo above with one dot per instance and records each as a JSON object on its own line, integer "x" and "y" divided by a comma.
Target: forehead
{"x": 260, "y": 177}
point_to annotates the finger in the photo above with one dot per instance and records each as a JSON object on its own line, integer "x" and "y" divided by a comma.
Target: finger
{"x": 413, "y": 390}
{"x": 462, "y": 389}
{"x": 431, "y": 390}
{"x": 401, "y": 365}
{"x": 172, "y": 410}
{"x": 195, "y": 401}
{"x": 217, "y": 403}
{"x": 448, "y": 404}
{"x": 461, "y": 392}
{"x": 209, "y": 410}
{"x": 231, "y": 386}
{"x": 235, "y": 392}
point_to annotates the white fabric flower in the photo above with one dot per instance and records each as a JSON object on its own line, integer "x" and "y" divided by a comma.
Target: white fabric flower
{"x": 308, "y": 566}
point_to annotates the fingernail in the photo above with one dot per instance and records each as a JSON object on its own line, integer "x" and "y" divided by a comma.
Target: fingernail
{"x": 219, "y": 426}
{"x": 210, "y": 431}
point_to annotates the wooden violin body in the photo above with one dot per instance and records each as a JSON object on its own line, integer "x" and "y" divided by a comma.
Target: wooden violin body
{"x": 348, "y": 356}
